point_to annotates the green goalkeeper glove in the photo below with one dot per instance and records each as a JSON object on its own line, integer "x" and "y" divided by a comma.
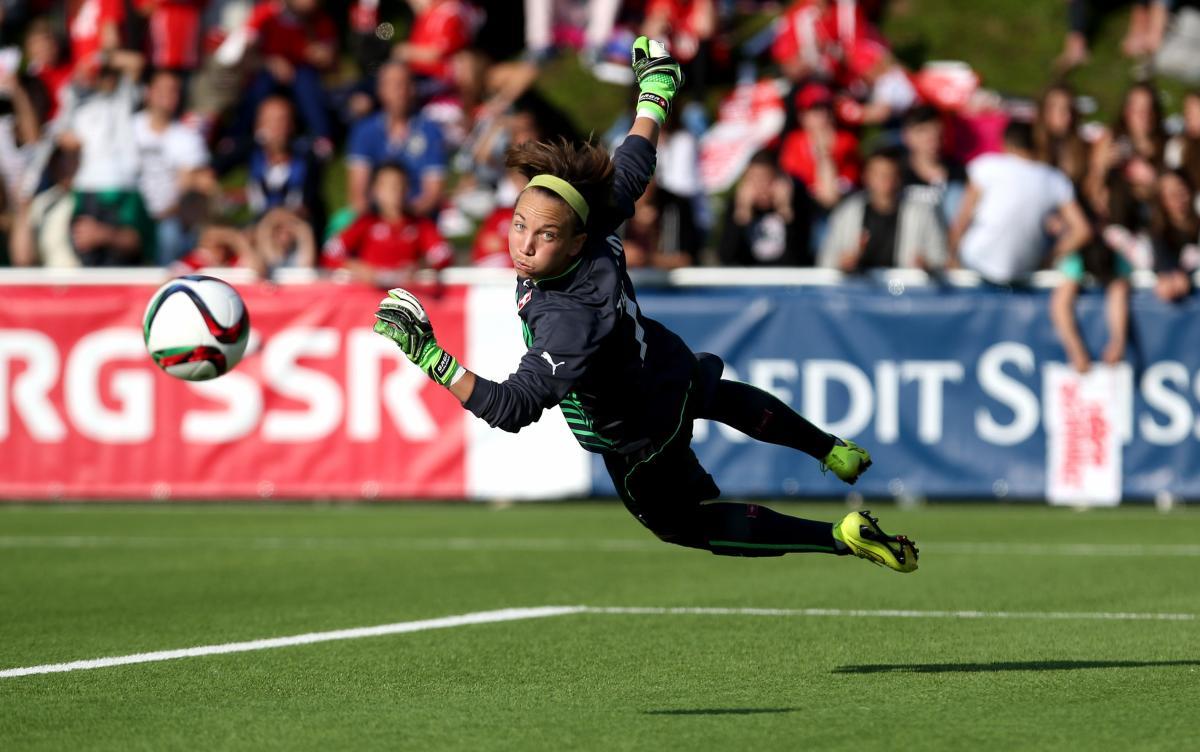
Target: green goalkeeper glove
{"x": 402, "y": 319}
{"x": 658, "y": 77}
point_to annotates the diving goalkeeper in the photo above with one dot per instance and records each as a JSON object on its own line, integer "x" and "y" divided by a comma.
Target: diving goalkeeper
{"x": 628, "y": 387}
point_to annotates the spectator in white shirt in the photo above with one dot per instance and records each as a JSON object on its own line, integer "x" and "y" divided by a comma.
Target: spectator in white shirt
{"x": 173, "y": 162}
{"x": 1003, "y": 230}
{"x": 110, "y": 226}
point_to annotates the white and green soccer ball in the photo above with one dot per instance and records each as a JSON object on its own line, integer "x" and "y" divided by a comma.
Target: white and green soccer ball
{"x": 196, "y": 327}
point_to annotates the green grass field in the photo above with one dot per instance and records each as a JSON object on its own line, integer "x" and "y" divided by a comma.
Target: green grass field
{"x": 79, "y": 582}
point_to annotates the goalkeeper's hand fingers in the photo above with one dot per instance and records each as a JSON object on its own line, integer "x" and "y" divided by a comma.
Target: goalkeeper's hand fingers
{"x": 399, "y": 328}
{"x": 658, "y": 76}
{"x": 402, "y": 300}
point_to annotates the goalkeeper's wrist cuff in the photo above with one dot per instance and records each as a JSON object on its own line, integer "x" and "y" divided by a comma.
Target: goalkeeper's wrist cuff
{"x": 458, "y": 374}
{"x": 654, "y": 106}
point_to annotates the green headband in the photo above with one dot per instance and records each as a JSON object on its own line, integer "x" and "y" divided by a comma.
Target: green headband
{"x": 565, "y": 190}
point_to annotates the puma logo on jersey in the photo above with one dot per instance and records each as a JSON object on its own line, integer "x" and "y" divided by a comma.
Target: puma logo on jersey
{"x": 553, "y": 366}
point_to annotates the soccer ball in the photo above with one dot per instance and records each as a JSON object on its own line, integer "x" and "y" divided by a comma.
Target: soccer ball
{"x": 196, "y": 327}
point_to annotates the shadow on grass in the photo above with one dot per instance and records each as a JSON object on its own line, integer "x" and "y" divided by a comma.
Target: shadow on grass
{"x": 970, "y": 668}
{"x": 720, "y": 711}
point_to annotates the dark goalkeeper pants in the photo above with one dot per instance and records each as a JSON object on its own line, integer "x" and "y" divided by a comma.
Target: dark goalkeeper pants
{"x": 665, "y": 486}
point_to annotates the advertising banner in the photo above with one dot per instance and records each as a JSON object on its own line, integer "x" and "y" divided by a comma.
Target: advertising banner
{"x": 1083, "y": 438}
{"x": 944, "y": 385}
{"x": 958, "y": 393}
{"x": 319, "y": 407}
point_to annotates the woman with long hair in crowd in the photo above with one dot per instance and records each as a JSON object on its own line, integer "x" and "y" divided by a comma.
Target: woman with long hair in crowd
{"x": 1183, "y": 150}
{"x": 1175, "y": 231}
{"x": 1123, "y": 175}
{"x": 1056, "y": 137}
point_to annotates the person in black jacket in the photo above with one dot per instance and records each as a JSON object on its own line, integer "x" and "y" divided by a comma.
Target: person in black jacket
{"x": 769, "y": 219}
{"x": 629, "y": 388}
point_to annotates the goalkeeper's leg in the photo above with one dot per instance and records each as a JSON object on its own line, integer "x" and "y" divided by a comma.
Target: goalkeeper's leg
{"x": 664, "y": 490}
{"x": 764, "y": 417}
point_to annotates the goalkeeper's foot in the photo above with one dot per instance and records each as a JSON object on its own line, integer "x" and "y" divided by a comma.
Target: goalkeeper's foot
{"x": 862, "y": 535}
{"x": 847, "y": 460}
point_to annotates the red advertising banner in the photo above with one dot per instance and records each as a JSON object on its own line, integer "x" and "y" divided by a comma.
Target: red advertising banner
{"x": 319, "y": 407}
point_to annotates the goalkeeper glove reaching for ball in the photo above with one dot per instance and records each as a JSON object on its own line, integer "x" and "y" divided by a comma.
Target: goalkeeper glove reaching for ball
{"x": 658, "y": 78}
{"x": 402, "y": 319}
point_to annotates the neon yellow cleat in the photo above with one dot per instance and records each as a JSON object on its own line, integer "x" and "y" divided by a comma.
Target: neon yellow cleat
{"x": 847, "y": 460}
{"x": 861, "y": 534}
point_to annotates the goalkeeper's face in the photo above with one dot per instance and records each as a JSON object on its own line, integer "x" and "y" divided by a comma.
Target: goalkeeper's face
{"x": 543, "y": 239}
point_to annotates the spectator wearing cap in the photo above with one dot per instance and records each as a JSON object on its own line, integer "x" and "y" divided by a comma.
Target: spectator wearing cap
{"x": 926, "y": 169}
{"x": 385, "y": 245}
{"x": 883, "y": 226}
{"x": 396, "y": 135}
{"x": 817, "y": 154}
{"x": 769, "y": 220}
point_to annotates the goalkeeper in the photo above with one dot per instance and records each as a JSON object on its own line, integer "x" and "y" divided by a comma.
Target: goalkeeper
{"x": 628, "y": 387}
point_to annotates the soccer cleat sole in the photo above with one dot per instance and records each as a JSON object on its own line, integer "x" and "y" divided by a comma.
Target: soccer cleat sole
{"x": 899, "y": 546}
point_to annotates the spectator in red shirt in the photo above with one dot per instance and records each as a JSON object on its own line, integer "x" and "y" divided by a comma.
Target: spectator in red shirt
{"x": 491, "y": 241}
{"x": 173, "y": 32}
{"x": 94, "y": 27}
{"x": 440, "y": 29}
{"x": 44, "y": 61}
{"x": 297, "y": 42}
{"x": 813, "y": 34}
{"x": 386, "y": 245}
{"x": 817, "y": 154}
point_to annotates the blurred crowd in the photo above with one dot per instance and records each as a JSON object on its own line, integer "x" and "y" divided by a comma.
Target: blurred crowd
{"x": 366, "y": 139}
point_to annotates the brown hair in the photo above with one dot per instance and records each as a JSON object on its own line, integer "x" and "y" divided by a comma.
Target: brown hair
{"x": 1068, "y": 152}
{"x": 1191, "y": 149}
{"x": 1158, "y": 134}
{"x": 586, "y": 166}
{"x": 1161, "y": 226}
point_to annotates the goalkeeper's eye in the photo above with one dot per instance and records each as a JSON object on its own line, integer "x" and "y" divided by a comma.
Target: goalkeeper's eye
{"x": 548, "y": 236}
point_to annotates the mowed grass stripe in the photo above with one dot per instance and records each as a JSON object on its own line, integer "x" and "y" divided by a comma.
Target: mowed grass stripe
{"x": 565, "y": 544}
{"x": 540, "y": 612}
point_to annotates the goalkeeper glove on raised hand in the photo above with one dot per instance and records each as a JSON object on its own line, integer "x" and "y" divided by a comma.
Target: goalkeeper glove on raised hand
{"x": 402, "y": 319}
{"x": 658, "y": 77}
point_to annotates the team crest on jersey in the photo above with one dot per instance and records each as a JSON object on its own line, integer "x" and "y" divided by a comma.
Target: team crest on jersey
{"x": 524, "y": 299}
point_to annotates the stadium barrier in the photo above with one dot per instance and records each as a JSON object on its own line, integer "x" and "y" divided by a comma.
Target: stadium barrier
{"x": 945, "y": 380}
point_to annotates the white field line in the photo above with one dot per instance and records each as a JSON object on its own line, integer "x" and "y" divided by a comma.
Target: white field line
{"x": 518, "y": 614}
{"x": 562, "y": 544}
{"x": 896, "y": 613}
{"x": 462, "y": 620}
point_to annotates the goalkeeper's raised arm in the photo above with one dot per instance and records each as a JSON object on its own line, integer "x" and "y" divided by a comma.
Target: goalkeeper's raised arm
{"x": 577, "y": 196}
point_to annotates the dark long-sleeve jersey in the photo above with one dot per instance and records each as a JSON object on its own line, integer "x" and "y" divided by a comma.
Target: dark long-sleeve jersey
{"x": 621, "y": 378}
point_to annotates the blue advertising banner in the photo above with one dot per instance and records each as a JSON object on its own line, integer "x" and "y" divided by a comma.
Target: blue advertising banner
{"x": 943, "y": 385}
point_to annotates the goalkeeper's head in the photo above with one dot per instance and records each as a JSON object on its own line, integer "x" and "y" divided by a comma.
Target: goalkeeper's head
{"x": 569, "y": 188}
